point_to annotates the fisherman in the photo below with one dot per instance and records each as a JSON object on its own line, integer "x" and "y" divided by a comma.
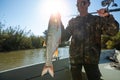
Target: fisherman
{"x": 86, "y": 30}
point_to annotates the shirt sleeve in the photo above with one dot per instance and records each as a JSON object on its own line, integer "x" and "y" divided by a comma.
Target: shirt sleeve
{"x": 109, "y": 25}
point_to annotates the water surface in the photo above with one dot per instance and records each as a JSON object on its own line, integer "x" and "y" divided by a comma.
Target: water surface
{"x": 14, "y": 59}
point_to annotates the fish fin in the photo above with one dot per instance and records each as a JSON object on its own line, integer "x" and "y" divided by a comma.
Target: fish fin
{"x": 55, "y": 55}
{"x": 44, "y": 44}
{"x": 48, "y": 69}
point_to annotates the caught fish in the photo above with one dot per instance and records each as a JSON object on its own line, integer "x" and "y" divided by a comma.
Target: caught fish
{"x": 53, "y": 41}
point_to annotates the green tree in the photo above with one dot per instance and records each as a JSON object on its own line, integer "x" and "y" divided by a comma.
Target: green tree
{"x": 116, "y": 40}
{"x": 110, "y": 44}
{"x": 36, "y": 41}
{"x": 104, "y": 39}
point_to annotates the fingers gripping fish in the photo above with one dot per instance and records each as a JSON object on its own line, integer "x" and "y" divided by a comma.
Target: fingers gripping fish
{"x": 53, "y": 41}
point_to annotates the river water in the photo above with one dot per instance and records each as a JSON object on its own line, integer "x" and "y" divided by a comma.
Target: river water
{"x": 14, "y": 59}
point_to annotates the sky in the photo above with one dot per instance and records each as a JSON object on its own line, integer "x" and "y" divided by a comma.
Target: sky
{"x": 34, "y": 14}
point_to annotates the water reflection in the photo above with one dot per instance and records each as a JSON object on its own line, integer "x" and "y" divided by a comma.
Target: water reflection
{"x": 9, "y": 60}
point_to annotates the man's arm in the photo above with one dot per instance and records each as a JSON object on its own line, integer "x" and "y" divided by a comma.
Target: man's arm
{"x": 109, "y": 25}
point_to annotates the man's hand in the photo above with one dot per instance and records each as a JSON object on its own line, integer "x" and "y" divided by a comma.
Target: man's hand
{"x": 103, "y": 12}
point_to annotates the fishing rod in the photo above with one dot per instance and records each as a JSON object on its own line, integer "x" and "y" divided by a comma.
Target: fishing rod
{"x": 109, "y": 10}
{"x": 107, "y": 4}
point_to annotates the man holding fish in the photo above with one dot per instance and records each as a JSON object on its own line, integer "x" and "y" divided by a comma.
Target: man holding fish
{"x": 86, "y": 31}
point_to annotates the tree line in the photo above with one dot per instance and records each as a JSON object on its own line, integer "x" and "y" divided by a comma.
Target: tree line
{"x": 14, "y": 38}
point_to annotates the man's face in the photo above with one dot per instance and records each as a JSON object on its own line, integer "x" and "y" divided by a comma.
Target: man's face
{"x": 82, "y": 5}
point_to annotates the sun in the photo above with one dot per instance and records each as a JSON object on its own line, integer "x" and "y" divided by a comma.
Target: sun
{"x": 53, "y": 6}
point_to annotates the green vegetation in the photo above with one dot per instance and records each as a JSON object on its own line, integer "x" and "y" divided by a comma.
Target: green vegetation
{"x": 109, "y": 42}
{"x": 14, "y": 38}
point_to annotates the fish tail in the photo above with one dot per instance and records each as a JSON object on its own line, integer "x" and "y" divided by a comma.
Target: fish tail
{"x": 48, "y": 69}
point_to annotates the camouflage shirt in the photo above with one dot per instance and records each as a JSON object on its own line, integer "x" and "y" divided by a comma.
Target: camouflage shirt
{"x": 86, "y": 37}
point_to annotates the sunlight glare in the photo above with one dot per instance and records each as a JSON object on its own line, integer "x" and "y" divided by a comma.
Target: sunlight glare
{"x": 53, "y": 6}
